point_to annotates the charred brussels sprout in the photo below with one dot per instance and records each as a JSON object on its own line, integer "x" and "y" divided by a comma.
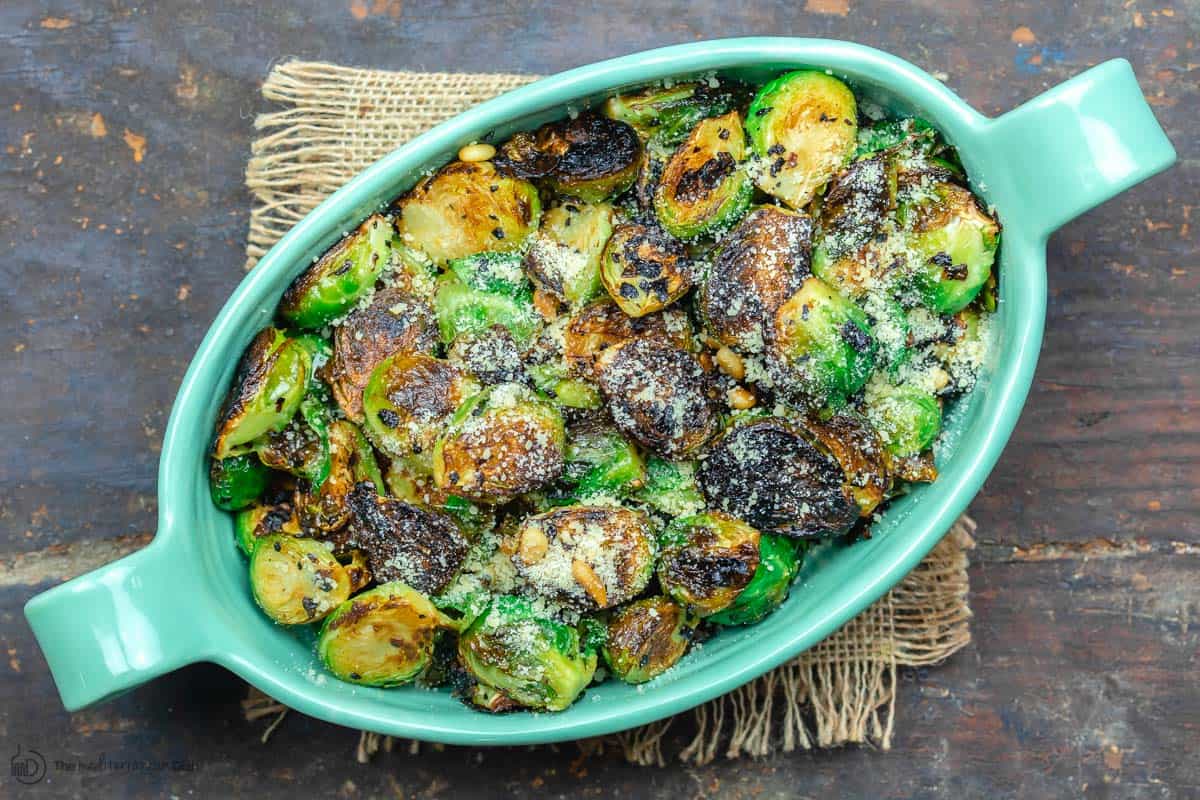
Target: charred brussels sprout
{"x": 665, "y": 114}
{"x": 502, "y": 442}
{"x": 482, "y": 291}
{"x": 658, "y": 395}
{"x": 420, "y": 545}
{"x": 854, "y": 443}
{"x": 591, "y": 557}
{"x": 803, "y": 125}
{"x": 301, "y": 448}
{"x": 908, "y": 419}
{"x": 237, "y": 481}
{"x": 408, "y": 399}
{"x": 591, "y": 158}
{"x": 707, "y": 560}
{"x": 645, "y": 270}
{"x": 266, "y": 391}
{"x": 768, "y": 473}
{"x": 564, "y": 259}
{"x": 296, "y": 581}
{"x": 466, "y": 209}
{"x": 600, "y": 461}
{"x": 491, "y": 355}
{"x": 856, "y": 206}
{"x": 757, "y": 267}
{"x": 777, "y": 568}
{"x": 601, "y": 325}
{"x": 704, "y": 186}
{"x": 384, "y": 637}
{"x": 394, "y": 322}
{"x": 954, "y": 242}
{"x": 646, "y": 638}
{"x": 671, "y": 487}
{"x": 822, "y": 346}
{"x": 339, "y": 279}
{"x": 533, "y": 662}
{"x": 258, "y": 522}
{"x": 324, "y": 507}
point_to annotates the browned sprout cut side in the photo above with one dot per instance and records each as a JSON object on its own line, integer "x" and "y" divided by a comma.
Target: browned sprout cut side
{"x": 591, "y": 557}
{"x": 325, "y": 507}
{"x": 296, "y": 581}
{"x": 857, "y": 448}
{"x": 707, "y": 560}
{"x": 659, "y": 396}
{"x": 266, "y": 391}
{"x": 601, "y": 325}
{"x": 589, "y": 157}
{"x": 646, "y": 638}
{"x": 645, "y": 269}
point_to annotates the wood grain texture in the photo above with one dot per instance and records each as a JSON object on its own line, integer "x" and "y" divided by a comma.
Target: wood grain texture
{"x": 125, "y": 130}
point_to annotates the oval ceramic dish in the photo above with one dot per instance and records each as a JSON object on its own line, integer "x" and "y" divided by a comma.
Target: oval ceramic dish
{"x": 185, "y": 597}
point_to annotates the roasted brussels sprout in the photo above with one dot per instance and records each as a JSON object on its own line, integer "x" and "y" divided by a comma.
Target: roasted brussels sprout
{"x": 237, "y": 481}
{"x": 589, "y": 157}
{"x": 257, "y": 522}
{"x": 296, "y": 581}
{"x": 591, "y": 557}
{"x": 600, "y": 461}
{"x": 671, "y": 487}
{"x": 704, "y": 187}
{"x": 553, "y": 379}
{"x": 963, "y": 350}
{"x": 468, "y": 208}
{"x": 646, "y": 638}
{"x": 822, "y": 348}
{"x": 954, "y": 242}
{"x": 384, "y": 637}
{"x": 323, "y": 507}
{"x": 666, "y": 114}
{"x": 564, "y": 259}
{"x": 464, "y": 309}
{"x": 777, "y": 568}
{"x": 266, "y": 391}
{"x": 768, "y": 473}
{"x": 803, "y": 125}
{"x": 707, "y": 560}
{"x": 491, "y": 355}
{"x": 340, "y": 278}
{"x": 855, "y": 445}
{"x": 859, "y": 201}
{"x": 408, "y": 399}
{"x": 757, "y": 267}
{"x": 533, "y": 662}
{"x": 393, "y": 322}
{"x": 500, "y": 443}
{"x": 601, "y": 325}
{"x": 420, "y": 545}
{"x": 908, "y": 419}
{"x": 658, "y": 395}
{"x": 644, "y": 269}
{"x": 301, "y": 448}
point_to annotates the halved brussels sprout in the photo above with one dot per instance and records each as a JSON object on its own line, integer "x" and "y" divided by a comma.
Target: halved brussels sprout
{"x": 296, "y": 581}
{"x": 908, "y": 419}
{"x": 644, "y": 269}
{"x": 463, "y": 309}
{"x": 589, "y": 157}
{"x": 529, "y": 660}
{"x": 671, "y": 487}
{"x": 564, "y": 258}
{"x": 257, "y": 522}
{"x": 500, "y": 443}
{"x": 301, "y": 448}
{"x": 323, "y": 507}
{"x": 394, "y": 322}
{"x": 601, "y": 325}
{"x": 954, "y": 242}
{"x": 658, "y": 395}
{"x": 413, "y": 272}
{"x": 803, "y": 125}
{"x": 646, "y": 638}
{"x": 600, "y": 461}
{"x": 704, "y": 186}
{"x": 553, "y": 379}
{"x": 757, "y": 267}
{"x": 468, "y": 208}
{"x": 420, "y": 545}
{"x": 777, "y": 568}
{"x": 707, "y": 560}
{"x": 408, "y": 399}
{"x": 821, "y": 345}
{"x": 667, "y": 113}
{"x": 237, "y": 481}
{"x": 590, "y": 557}
{"x": 266, "y": 391}
{"x": 491, "y": 355}
{"x": 384, "y": 637}
{"x": 340, "y": 278}
{"x": 857, "y": 448}
{"x": 768, "y": 473}
{"x": 858, "y": 201}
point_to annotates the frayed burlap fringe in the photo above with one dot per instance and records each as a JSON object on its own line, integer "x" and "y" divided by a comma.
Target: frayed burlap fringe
{"x": 338, "y": 120}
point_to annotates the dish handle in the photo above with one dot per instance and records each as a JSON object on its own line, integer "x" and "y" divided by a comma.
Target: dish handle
{"x": 1078, "y": 145}
{"x": 119, "y": 626}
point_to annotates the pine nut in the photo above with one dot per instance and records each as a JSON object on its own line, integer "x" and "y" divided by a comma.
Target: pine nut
{"x": 731, "y": 363}
{"x": 586, "y": 577}
{"x": 533, "y": 545}
{"x": 741, "y": 398}
{"x": 476, "y": 152}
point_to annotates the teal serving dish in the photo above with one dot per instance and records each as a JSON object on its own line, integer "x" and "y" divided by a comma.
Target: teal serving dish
{"x": 185, "y": 598}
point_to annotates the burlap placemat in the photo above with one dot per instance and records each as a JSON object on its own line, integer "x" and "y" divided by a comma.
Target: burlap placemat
{"x": 337, "y": 120}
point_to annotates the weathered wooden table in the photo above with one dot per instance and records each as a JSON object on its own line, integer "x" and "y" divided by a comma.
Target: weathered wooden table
{"x": 125, "y": 130}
